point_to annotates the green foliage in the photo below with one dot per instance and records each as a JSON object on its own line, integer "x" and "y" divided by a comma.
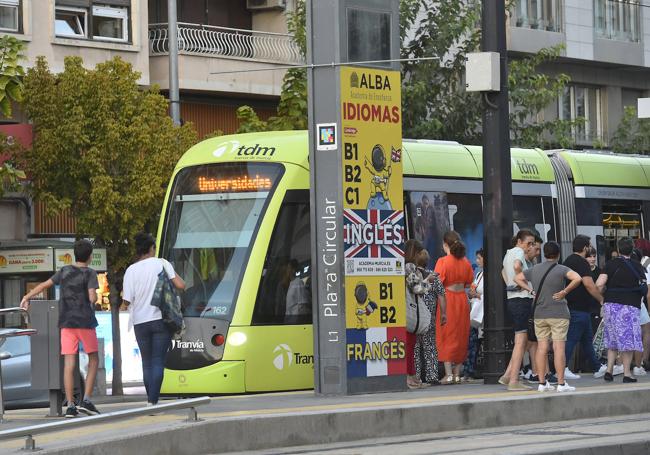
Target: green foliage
{"x": 292, "y": 107}
{"x": 530, "y": 92}
{"x": 249, "y": 121}
{"x": 11, "y": 72}
{"x": 215, "y": 133}
{"x": 435, "y": 104}
{"x": 10, "y": 178}
{"x": 103, "y": 148}
{"x": 632, "y": 134}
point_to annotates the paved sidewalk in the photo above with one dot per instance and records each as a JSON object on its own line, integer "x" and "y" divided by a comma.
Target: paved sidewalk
{"x": 296, "y": 418}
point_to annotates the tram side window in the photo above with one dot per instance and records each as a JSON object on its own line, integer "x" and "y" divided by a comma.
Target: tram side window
{"x": 284, "y": 295}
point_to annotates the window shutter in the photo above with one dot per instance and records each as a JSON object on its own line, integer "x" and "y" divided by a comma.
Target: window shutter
{"x": 123, "y": 3}
{"x": 77, "y": 3}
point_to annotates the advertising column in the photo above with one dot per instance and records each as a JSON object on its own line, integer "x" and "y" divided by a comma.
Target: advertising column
{"x": 373, "y": 228}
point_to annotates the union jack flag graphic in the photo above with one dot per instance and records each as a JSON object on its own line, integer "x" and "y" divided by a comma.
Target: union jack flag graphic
{"x": 395, "y": 155}
{"x": 373, "y": 234}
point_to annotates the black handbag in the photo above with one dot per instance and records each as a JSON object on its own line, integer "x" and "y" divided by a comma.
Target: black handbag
{"x": 531, "y": 318}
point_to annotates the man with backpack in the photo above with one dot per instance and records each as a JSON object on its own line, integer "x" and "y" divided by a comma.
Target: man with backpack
{"x": 78, "y": 294}
{"x": 153, "y": 336}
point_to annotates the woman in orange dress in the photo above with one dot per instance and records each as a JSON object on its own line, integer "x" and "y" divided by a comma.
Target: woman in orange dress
{"x": 452, "y": 338}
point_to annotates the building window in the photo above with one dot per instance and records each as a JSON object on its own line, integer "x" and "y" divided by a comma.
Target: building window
{"x": 96, "y": 20}
{"x": 9, "y": 14}
{"x": 71, "y": 22}
{"x": 583, "y": 103}
{"x": 110, "y": 23}
{"x": 617, "y": 19}
{"x": 538, "y": 14}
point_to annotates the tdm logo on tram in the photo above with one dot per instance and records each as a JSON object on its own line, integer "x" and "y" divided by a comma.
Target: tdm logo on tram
{"x": 255, "y": 150}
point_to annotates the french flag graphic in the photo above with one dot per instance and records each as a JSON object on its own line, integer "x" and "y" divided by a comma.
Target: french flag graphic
{"x": 362, "y": 366}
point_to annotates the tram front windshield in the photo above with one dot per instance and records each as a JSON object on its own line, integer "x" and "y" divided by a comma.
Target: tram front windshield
{"x": 214, "y": 212}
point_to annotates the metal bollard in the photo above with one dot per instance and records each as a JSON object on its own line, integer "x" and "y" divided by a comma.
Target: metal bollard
{"x": 192, "y": 415}
{"x": 30, "y": 444}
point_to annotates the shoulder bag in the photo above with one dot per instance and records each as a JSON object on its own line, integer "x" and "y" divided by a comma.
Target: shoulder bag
{"x": 531, "y": 319}
{"x": 168, "y": 301}
{"x": 418, "y": 316}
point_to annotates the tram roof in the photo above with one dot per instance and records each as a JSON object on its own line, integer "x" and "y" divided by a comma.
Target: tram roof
{"x": 607, "y": 169}
{"x": 422, "y": 157}
{"x": 276, "y": 146}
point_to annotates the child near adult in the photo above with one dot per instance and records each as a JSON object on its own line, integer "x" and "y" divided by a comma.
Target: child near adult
{"x": 77, "y": 322}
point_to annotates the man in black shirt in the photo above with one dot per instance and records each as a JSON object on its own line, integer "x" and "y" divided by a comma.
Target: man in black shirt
{"x": 78, "y": 285}
{"x": 581, "y": 301}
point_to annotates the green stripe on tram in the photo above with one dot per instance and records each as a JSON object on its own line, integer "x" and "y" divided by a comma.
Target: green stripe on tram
{"x": 527, "y": 165}
{"x": 427, "y": 158}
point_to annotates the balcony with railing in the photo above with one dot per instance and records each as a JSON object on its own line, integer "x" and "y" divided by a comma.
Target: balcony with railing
{"x": 207, "y": 54}
{"x": 211, "y": 41}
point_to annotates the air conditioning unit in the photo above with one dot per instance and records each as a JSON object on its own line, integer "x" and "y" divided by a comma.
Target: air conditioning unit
{"x": 266, "y": 4}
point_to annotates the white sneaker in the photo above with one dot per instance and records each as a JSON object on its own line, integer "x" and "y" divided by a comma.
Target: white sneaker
{"x": 565, "y": 387}
{"x": 601, "y": 371}
{"x": 545, "y": 387}
{"x": 639, "y": 371}
{"x": 568, "y": 374}
{"x": 618, "y": 369}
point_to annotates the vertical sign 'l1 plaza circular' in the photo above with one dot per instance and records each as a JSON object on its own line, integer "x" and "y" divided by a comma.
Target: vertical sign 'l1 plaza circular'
{"x": 373, "y": 226}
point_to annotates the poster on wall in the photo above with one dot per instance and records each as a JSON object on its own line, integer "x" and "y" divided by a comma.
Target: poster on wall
{"x": 373, "y": 226}
{"x": 131, "y": 358}
{"x": 26, "y": 261}
{"x": 65, "y": 256}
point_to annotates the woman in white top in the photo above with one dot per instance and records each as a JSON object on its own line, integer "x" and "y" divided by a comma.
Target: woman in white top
{"x": 476, "y": 310}
{"x": 151, "y": 333}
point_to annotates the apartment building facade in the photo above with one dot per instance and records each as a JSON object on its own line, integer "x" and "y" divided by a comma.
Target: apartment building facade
{"x": 606, "y": 54}
{"x": 215, "y": 37}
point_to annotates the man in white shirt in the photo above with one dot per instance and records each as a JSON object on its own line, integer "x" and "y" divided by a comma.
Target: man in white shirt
{"x": 518, "y": 306}
{"x": 151, "y": 333}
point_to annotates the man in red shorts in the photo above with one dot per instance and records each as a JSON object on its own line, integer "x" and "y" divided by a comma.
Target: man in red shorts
{"x": 78, "y": 286}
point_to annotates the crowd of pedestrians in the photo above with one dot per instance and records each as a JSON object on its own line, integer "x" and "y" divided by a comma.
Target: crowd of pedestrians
{"x": 554, "y": 306}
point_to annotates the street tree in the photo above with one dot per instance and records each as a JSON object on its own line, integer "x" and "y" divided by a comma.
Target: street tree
{"x": 436, "y": 105}
{"x": 105, "y": 149}
{"x": 436, "y": 38}
{"x": 292, "y": 107}
{"x": 632, "y": 134}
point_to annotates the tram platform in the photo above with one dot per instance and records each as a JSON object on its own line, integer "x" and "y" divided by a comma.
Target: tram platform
{"x": 281, "y": 420}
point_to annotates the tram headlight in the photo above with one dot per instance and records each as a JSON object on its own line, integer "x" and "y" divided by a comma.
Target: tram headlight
{"x": 236, "y": 338}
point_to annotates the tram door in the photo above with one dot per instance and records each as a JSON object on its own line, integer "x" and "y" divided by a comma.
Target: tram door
{"x": 622, "y": 219}
{"x": 606, "y": 221}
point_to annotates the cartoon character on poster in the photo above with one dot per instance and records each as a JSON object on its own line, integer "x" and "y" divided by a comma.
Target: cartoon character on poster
{"x": 380, "y": 171}
{"x": 365, "y": 306}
